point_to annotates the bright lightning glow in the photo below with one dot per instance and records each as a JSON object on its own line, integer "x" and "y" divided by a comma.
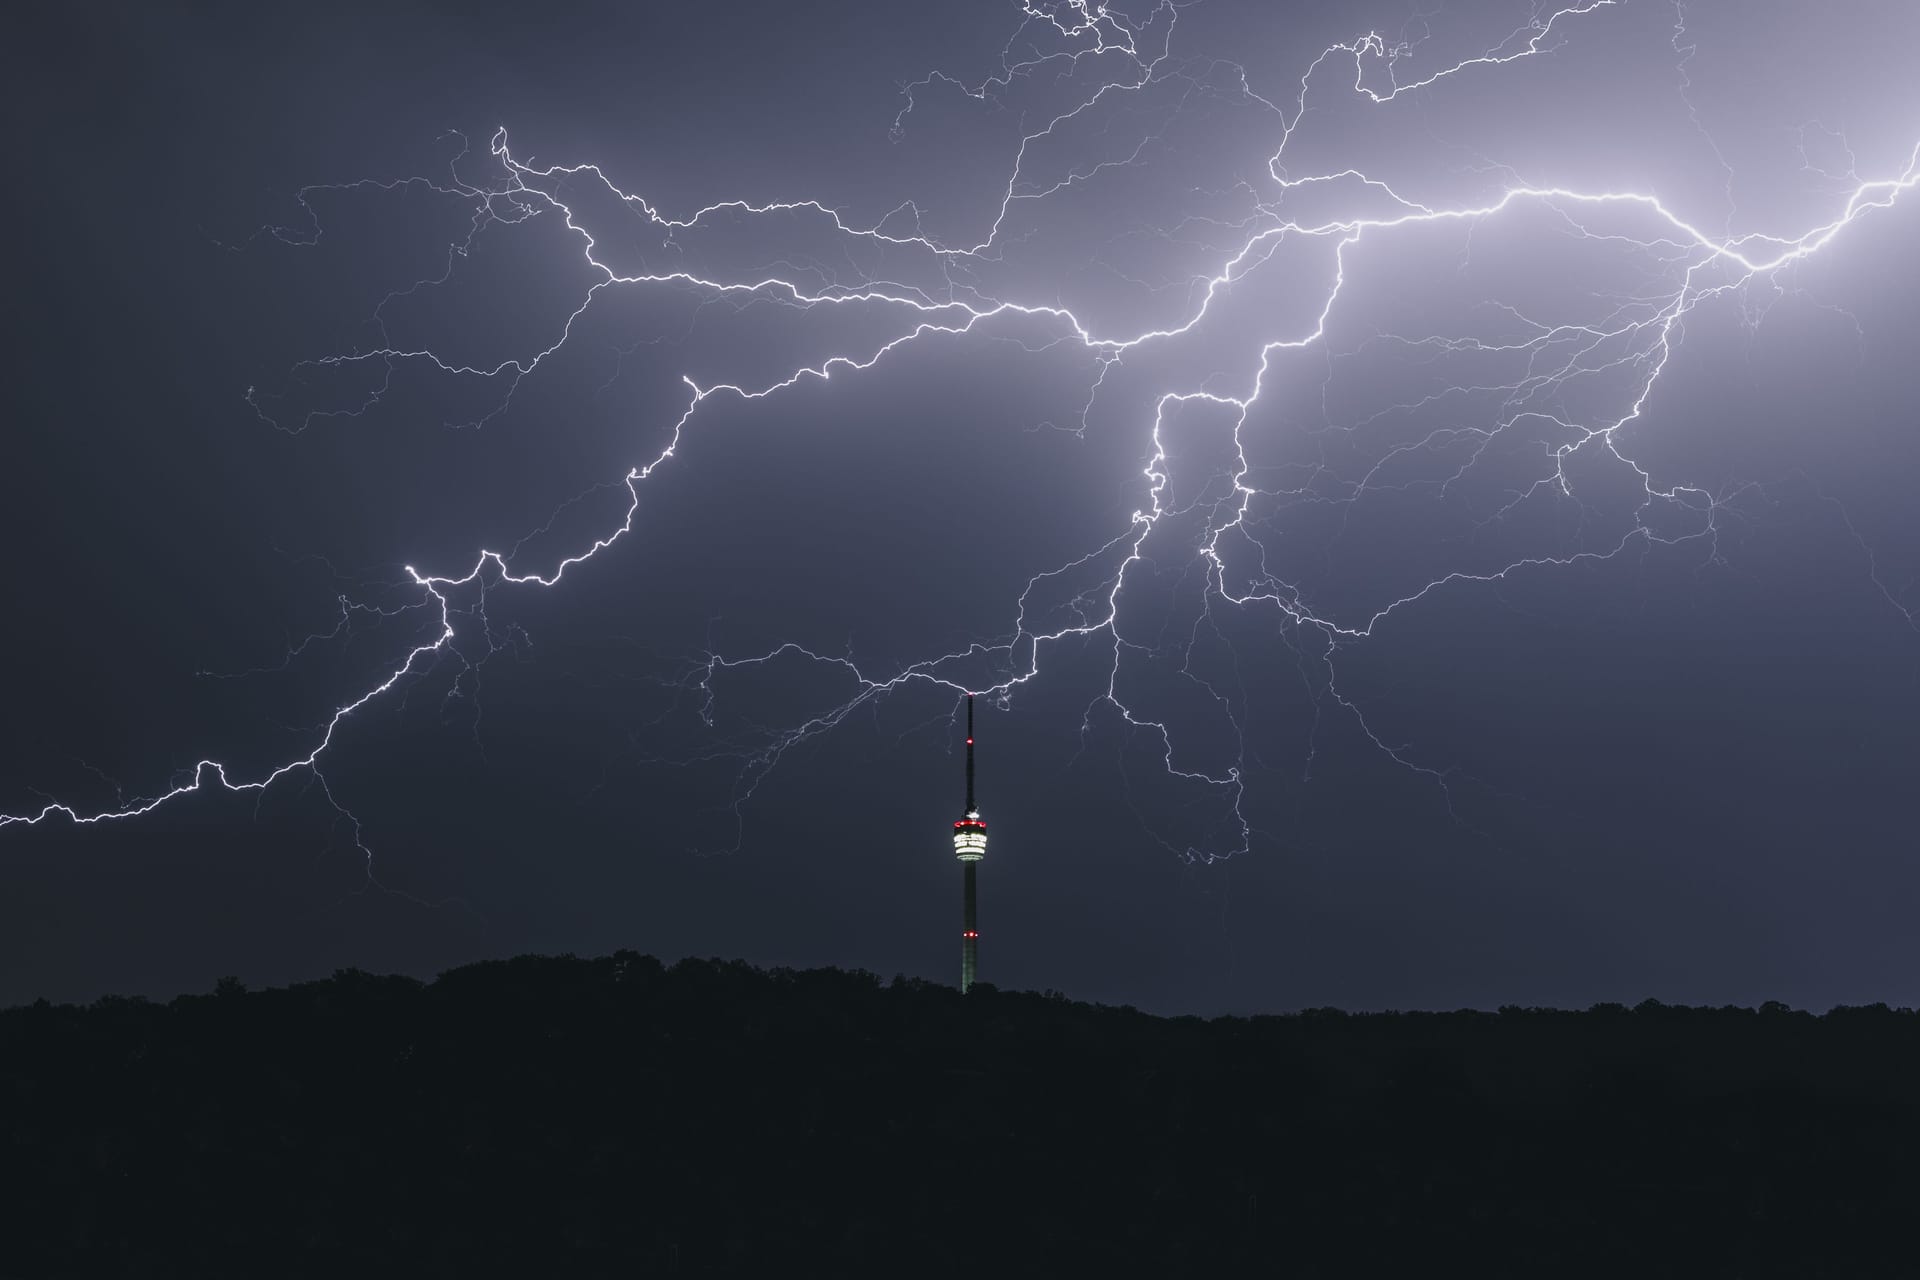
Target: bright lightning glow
{"x": 1343, "y": 214}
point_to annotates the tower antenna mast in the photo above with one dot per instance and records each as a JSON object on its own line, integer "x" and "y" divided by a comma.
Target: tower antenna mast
{"x": 970, "y": 804}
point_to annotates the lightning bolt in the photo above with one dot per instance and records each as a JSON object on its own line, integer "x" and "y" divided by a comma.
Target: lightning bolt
{"x": 1553, "y": 394}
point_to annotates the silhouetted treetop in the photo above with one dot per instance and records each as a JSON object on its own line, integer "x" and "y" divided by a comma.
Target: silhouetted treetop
{"x": 557, "y": 1115}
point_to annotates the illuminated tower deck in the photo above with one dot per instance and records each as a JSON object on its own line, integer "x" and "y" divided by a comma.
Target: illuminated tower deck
{"x": 970, "y": 846}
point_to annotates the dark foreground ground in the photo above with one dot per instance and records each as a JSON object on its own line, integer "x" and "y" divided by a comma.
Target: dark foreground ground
{"x": 562, "y": 1117}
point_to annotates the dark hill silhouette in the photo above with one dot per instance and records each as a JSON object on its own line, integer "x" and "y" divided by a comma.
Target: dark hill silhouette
{"x": 566, "y": 1117}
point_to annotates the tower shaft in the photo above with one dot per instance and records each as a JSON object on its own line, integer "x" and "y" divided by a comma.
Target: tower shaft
{"x": 969, "y": 931}
{"x": 969, "y": 845}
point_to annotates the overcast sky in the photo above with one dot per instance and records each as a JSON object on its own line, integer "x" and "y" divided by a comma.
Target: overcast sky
{"x": 1402, "y": 572}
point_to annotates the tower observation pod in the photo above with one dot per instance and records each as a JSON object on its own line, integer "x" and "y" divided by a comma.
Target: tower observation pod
{"x": 970, "y": 846}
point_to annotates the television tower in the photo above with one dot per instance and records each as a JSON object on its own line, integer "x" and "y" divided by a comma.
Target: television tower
{"x": 969, "y": 845}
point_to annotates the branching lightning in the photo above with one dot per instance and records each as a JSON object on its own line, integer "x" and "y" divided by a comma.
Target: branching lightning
{"x": 1613, "y": 362}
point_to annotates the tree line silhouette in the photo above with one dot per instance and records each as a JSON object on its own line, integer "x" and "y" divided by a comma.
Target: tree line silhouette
{"x": 563, "y": 1116}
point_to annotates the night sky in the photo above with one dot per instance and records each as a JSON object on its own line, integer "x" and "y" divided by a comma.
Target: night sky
{"x": 1542, "y": 632}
